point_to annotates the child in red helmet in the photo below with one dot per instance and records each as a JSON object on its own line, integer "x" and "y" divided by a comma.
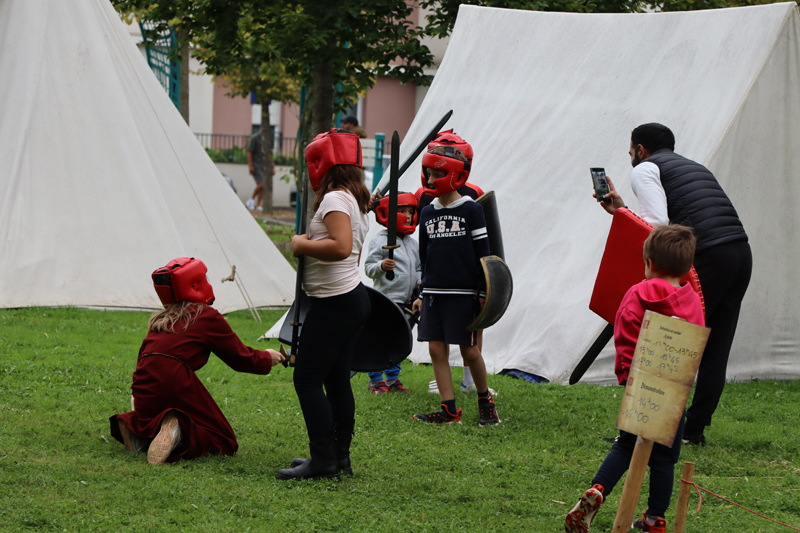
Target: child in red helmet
{"x": 406, "y": 267}
{"x": 174, "y": 416}
{"x": 453, "y": 239}
{"x": 338, "y": 304}
{"x": 450, "y": 138}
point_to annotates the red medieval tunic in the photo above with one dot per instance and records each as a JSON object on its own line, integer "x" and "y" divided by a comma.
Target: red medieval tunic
{"x": 165, "y": 380}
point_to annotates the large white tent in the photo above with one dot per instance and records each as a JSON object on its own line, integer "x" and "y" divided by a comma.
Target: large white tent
{"x": 542, "y": 97}
{"x": 101, "y": 181}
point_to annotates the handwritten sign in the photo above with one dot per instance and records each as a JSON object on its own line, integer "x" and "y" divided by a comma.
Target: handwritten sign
{"x": 664, "y": 365}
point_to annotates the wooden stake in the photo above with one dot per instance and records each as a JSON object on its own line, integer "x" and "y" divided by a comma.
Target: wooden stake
{"x": 683, "y": 498}
{"x": 633, "y": 485}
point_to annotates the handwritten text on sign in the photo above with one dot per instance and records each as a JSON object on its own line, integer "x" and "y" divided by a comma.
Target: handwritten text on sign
{"x": 664, "y": 365}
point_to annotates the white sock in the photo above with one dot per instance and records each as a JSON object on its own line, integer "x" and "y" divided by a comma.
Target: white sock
{"x": 651, "y": 520}
{"x": 468, "y": 376}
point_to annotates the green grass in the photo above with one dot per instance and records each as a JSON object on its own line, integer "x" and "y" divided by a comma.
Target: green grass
{"x": 63, "y": 372}
{"x": 281, "y": 236}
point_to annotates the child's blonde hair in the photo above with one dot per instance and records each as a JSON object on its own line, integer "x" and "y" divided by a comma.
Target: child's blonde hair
{"x": 172, "y": 314}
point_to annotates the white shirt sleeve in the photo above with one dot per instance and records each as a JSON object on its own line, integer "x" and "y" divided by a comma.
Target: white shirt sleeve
{"x": 646, "y": 185}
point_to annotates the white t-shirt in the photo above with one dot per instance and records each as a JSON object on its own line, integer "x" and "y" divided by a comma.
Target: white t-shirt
{"x": 646, "y": 185}
{"x": 323, "y": 279}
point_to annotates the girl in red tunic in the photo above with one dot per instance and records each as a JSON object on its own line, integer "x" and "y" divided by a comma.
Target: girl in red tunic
{"x": 174, "y": 416}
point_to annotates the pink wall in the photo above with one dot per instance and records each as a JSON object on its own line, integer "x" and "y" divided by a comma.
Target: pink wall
{"x": 389, "y": 106}
{"x": 290, "y": 120}
{"x": 232, "y": 116}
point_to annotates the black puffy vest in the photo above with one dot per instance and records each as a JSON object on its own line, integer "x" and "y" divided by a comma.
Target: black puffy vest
{"x": 695, "y": 199}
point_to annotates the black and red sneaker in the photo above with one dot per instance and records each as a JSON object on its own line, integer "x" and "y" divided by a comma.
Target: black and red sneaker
{"x": 651, "y": 524}
{"x": 488, "y": 411}
{"x": 397, "y": 386}
{"x": 442, "y": 416}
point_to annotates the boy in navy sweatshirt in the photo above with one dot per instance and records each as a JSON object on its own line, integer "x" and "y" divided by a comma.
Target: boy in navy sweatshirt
{"x": 452, "y": 240}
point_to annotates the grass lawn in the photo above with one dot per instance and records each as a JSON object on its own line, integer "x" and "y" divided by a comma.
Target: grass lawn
{"x": 63, "y": 372}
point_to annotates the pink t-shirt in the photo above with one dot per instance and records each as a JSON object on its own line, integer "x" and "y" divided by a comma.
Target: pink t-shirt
{"x": 331, "y": 278}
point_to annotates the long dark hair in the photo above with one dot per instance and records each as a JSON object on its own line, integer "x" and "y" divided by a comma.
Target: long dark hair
{"x": 345, "y": 177}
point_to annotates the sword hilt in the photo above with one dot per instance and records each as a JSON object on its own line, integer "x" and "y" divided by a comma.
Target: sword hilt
{"x": 289, "y": 360}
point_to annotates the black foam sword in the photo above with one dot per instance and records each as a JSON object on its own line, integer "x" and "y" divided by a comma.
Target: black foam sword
{"x": 391, "y": 223}
{"x": 291, "y": 358}
{"x": 418, "y": 150}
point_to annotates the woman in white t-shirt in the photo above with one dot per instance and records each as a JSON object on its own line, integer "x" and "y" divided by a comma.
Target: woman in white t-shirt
{"x": 339, "y": 304}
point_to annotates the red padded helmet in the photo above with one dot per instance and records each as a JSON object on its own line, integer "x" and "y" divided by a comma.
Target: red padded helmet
{"x": 335, "y": 147}
{"x": 404, "y": 199}
{"x": 448, "y": 138}
{"x": 457, "y": 172}
{"x": 183, "y": 279}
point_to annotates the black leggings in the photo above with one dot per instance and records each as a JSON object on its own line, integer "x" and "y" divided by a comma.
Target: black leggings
{"x": 326, "y": 347}
{"x": 724, "y": 273}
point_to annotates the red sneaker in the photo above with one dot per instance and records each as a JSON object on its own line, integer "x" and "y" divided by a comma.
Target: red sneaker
{"x": 660, "y": 525}
{"x": 378, "y": 388}
{"x": 580, "y": 518}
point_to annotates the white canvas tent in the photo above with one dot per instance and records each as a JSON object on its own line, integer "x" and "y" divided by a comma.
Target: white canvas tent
{"x": 101, "y": 181}
{"x": 542, "y": 97}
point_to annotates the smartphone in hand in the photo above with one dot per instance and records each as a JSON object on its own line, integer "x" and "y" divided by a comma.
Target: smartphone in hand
{"x": 600, "y": 182}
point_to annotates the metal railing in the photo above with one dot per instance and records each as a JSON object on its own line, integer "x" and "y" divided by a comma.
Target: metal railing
{"x": 222, "y": 141}
{"x": 285, "y": 146}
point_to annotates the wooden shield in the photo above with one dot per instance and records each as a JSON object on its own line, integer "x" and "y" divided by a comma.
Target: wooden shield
{"x": 499, "y": 288}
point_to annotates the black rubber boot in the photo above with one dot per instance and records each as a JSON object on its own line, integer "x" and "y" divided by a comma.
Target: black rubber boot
{"x": 344, "y": 436}
{"x": 322, "y": 463}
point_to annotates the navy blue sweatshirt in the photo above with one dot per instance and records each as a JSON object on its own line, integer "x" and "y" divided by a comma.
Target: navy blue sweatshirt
{"x": 452, "y": 241}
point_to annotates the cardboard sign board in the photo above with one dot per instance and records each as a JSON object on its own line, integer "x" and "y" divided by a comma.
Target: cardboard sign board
{"x": 664, "y": 365}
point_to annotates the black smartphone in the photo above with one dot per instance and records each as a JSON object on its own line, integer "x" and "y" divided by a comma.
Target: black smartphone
{"x": 600, "y": 182}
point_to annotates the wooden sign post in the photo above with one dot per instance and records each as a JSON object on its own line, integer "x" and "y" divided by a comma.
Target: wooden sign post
{"x": 664, "y": 365}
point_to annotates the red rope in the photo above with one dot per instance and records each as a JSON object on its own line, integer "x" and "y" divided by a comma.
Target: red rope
{"x": 698, "y": 489}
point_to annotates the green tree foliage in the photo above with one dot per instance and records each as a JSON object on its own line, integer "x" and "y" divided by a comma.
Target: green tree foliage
{"x": 338, "y": 49}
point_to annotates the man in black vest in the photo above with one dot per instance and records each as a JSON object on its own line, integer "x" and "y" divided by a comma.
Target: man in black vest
{"x": 673, "y": 189}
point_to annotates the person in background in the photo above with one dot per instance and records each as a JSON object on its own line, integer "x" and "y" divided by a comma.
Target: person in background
{"x": 673, "y": 189}
{"x": 350, "y": 123}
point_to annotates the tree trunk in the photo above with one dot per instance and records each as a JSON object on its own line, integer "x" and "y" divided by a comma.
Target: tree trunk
{"x": 322, "y": 95}
{"x": 184, "y": 77}
{"x": 266, "y": 155}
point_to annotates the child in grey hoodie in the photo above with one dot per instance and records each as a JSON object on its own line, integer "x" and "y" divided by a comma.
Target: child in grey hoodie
{"x": 407, "y": 270}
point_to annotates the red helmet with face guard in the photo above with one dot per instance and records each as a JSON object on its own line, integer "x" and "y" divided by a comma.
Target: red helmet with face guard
{"x": 183, "y": 279}
{"x": 448, "y": 138}
{"x": 457, "y": 172}
{"x": 404, "y": 199}
{"x": 335, "y": 147}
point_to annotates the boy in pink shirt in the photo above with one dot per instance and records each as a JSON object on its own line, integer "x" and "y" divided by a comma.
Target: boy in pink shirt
{"x": 668, "y": 256}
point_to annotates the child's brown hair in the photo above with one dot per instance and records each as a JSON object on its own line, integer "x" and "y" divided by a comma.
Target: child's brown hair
{"x": 345, "y": 177}
{"x": 671, "y": 249}
{"x": 172, "y": 314}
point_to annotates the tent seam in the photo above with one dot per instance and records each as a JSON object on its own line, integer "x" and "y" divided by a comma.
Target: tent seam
{"x": 180, "y": 162}
{"x": 750, "y": 89}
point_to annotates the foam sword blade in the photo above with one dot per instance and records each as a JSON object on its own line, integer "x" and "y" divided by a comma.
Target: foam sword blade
{"x": 391, "y": 223}
{"x": 298, "y": 287}
{"x": 418, "y": 150}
